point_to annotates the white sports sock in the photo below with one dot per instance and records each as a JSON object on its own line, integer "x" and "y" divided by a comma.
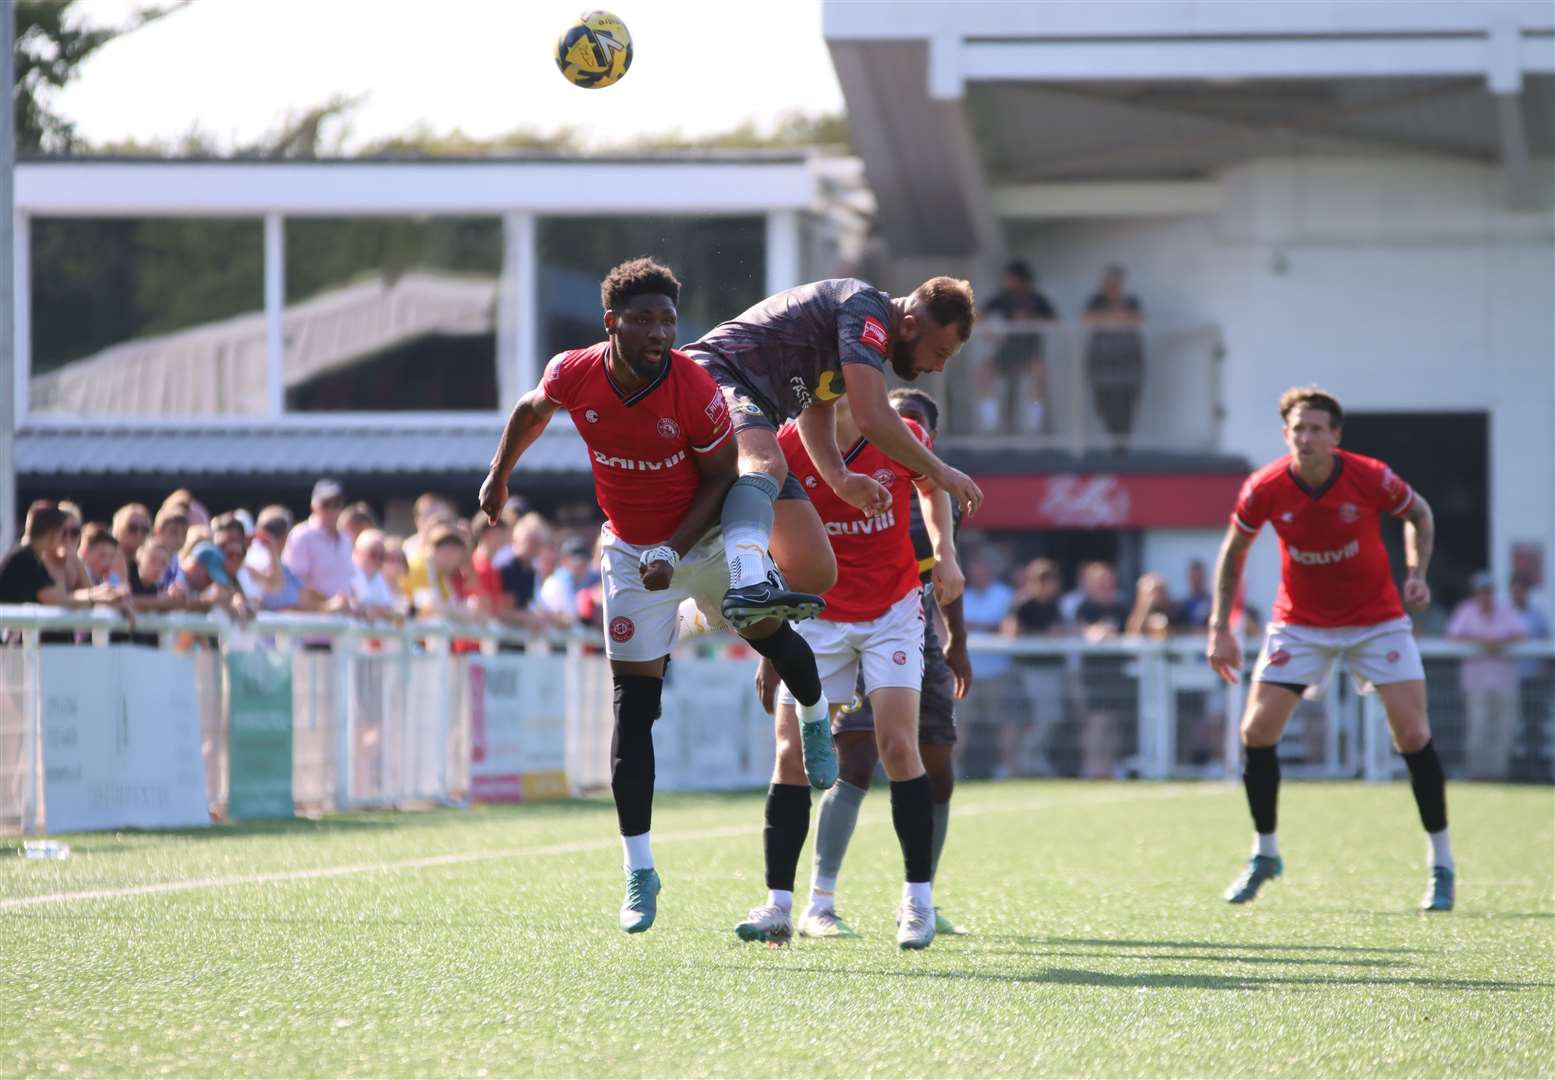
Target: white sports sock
{"x": 918, "y": 892}
{"x": 823, "y": 895}
{"x": 1441, "y": 850}
{"x": 638, "y": 855}
{"x": 819, "y": 711}
{"x": 1266, "y": 844}
{"x": 745, "y": 546}
{"x": 782, "y": 898}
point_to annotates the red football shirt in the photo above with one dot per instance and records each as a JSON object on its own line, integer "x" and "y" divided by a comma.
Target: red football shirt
{"x": 876, "y": 565}
{"x": 1333, "y": 568}
{"x": 640, "y": 444}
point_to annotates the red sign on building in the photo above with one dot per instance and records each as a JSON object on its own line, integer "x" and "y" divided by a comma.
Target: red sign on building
{"x": 1107, "y": 501}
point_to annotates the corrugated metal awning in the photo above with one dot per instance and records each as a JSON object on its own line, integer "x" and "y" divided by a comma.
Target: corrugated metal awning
{"x": 291, "y": 449}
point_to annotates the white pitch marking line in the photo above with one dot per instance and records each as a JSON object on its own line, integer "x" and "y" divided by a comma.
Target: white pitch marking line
{"x": 575, "y": 848}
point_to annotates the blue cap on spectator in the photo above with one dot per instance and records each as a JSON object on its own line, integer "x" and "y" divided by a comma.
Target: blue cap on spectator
{"x": 209, "y": 556}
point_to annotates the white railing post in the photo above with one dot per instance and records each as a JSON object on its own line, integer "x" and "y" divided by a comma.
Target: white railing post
{"x": 345, "y": 728}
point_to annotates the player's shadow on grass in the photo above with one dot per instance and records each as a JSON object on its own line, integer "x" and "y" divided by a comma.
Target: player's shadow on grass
{"x": 1229, "y": 957}
{"x": 1164, "y": 980}
{"x": 1224, "y": 946}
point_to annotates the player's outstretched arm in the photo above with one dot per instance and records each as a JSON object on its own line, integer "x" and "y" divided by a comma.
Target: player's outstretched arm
{"x": 1224, "y": 650}
{"x": 716, "y": 474}
{"x": 528, "y": 418}
{"x": 1419, "y": 543}
{"x": 939, "y": 523}
{"x": 817, "y": 427}
{"x": 880, "y": 424}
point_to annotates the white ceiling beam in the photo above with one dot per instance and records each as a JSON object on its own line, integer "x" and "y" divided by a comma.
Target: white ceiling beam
{"x": 1107, "y": 199}
{"x": 206, "y": 189}
{"x": 1330, "y": 58}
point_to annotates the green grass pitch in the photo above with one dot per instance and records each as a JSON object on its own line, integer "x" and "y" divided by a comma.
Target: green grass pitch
{"x": 484, "y": 942}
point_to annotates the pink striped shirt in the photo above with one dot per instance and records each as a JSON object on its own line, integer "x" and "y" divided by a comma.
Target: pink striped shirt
{"x": 321, "y": 558}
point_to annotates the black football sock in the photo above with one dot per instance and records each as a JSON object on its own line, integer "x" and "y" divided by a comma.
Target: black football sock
{"x": 631, "y": 751}
{"x": 1261, "y": 779}
{"x": 794, "y": 661}
{"x": 788, "y": 823}
{"x": 912, "y": 813}
{"x": 1430, "y": 787}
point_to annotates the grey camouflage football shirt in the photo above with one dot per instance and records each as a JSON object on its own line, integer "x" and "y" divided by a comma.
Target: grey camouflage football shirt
{"x": 787, "y": 352}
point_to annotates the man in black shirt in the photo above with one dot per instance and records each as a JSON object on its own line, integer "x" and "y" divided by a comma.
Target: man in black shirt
{"x": 1016, "y": 351}
{"x": 25, "y": 576}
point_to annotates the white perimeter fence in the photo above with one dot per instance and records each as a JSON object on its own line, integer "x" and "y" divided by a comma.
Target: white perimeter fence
{"x": 194, "y": 718}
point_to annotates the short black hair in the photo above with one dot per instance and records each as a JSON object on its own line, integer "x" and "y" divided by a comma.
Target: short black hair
{"x": 638, "y": 277}
{"x": 922, "y": 399}
{"x": 1019, "y": 268}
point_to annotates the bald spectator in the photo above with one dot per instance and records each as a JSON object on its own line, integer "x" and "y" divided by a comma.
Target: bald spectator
{"x": 369, "y": 588}
{"x": 1489, "y": 680}
{"x": 319, "y": 551}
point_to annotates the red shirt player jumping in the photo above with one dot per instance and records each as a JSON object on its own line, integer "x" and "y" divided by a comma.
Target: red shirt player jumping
{"x": 663, "y": 454}
{"x": 1336, "y": 599}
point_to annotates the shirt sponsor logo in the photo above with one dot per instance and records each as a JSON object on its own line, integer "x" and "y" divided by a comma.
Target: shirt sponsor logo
{"x": 874, "y": 335}
{"x": 668, "y": 428}
{"x": 802, "y": 396}
{"x": 621, "y": 629}
{"x": 638, "y": 464}
{"x": 1324, "y": 558}
{"x": 591, "y": 416}
{"x": 878, "y": 524}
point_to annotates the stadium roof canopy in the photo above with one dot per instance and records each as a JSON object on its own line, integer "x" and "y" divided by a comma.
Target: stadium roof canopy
{"x": 971, "y": 113}
{"x": 212, "y": 398}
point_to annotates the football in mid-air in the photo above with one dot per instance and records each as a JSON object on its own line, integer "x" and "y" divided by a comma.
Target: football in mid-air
{"x": 595, "y": 51}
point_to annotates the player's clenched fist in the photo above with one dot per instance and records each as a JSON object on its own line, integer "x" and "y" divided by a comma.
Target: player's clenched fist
{"x": 493, "y": 497}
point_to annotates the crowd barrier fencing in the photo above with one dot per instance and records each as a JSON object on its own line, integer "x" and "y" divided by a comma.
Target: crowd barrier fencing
{"x": 202, "y": 719}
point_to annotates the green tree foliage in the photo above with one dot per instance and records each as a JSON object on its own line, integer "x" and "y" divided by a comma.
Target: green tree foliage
{"x": 51, "y": 46}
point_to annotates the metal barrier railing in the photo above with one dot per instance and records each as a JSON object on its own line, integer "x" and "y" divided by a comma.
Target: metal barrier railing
{"x": 1156, "y": 386}
{"x": 378, "y": 715}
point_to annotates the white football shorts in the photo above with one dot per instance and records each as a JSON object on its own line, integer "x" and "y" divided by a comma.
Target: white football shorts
{"x": 890, "y": 650}
{"x": 1305, "y": 655}
{"x": 643, "y": 625}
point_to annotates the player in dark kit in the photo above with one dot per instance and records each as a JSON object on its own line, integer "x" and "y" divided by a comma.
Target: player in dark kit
{"x": 791, "y": 357}
{"x": 1336, "y": 598}
{"x": 663, "y": 456}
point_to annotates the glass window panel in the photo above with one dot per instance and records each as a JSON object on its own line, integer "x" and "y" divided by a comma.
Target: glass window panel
{"x": 147, "y": 317}
{"x": 392, "y": 314}
{"x": 721, "y": 264}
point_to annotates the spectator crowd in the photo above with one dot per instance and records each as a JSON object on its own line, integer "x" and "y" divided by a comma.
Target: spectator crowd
{"x": 523, "y": 571}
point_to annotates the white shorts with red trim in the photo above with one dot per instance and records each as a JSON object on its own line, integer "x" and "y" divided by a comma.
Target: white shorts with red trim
{"x": 643, "y": 625}
{"x": 1305, "y": 655}
{"x": 890, "y": 650}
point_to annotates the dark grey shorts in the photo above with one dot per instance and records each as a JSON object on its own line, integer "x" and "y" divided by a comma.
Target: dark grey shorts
{"x": 936, "y": 706}
{"x": 748, "y": 409}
